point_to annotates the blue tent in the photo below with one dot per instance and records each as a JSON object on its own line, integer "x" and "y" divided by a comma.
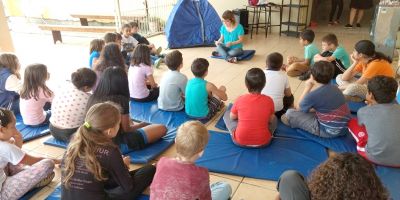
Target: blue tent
{"x": 192, "y": 23}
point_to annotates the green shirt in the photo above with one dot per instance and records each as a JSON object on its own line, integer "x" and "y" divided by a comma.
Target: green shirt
{"x": 341, "y": 54}
{"x": 196, "y": 98}
{"x": 310, "y": 51}
{"x": 232, "y": 36}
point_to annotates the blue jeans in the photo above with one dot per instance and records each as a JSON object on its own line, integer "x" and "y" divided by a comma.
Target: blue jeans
{"x": 220, "y": 191}
{"x": 153, "y": 59}
{"x": 227, "y": 52}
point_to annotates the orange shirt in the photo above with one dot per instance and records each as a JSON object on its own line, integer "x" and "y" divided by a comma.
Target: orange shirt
{"x": 375, "y": 68}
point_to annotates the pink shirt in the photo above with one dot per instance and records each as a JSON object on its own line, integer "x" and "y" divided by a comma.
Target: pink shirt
{"x": 137, "y": 76}
{"x": 32, "y": 110}
{"x": 175, "y": 180}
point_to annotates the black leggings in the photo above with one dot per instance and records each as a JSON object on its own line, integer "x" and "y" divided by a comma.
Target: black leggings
{"x": 339, "y": 4}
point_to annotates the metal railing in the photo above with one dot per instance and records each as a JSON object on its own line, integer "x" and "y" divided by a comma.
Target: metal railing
{"x": 151, "y": 15}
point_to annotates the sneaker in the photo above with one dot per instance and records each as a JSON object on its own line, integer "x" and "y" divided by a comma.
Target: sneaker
{"x": 348, "y": 26}
{"x": 232, "y": 60}
{"x": 331, "y": 23}
{"x": 45, "y": 181}
{"x": 358, "y": 25}
{"x": 158, "y": 51}
{"x": 336, "y": 22}
{"x": 285, "y": 120}
{"x": 305, "y": 76}
{"x": 215, "y": 53}
{"x": 158, "y": 62}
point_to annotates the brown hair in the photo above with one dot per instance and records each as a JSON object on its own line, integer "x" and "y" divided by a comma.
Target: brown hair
{"x": 96, "y": 45}
{"x": 10, "y": 61}
{"x": 87, "y": 140}
{"x": 83, "y": 77}
{"x": 173, "y": 60}
{"x": 110, "y": 37}
{"x": 192, "y": 137}
{"x": 141, "y": 54}
{"x": 35, "y": 78}
{"x": 331, "y": 39}
{"x": 110, "y": 56}
{"x": 228, "y": 15}
{"x": 346, "y": 176}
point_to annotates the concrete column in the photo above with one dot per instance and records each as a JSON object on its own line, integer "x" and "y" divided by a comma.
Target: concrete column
{"x": 6, "y": 44}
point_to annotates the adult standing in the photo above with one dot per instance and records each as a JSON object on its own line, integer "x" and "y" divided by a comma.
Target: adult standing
{"x": 230, "y": 44}
{"x": 357, "y": 7}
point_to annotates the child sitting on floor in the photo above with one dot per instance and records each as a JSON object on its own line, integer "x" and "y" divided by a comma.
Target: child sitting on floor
{"x": 376, "y": 130}
{"x": 179, "y": 177}
{"x": 96, "y": 46}
{"x": 322, "y": 109}
{"x": 298, "y": 66}
{"x": 10, "y": 80}
{"x": 342, "y": 176}
{"x": 69, "y": 105}
{"x": 93, "y": 167}
{"x": 143, "y": 40}
{"x": 251, "y": 121}
{"x": 203, "y": 98}
{"x": 277, "y": 84}
{"x": 15, "y": 178}
{"x": 142, "y": 86}
{"x": 333, "y": 52}
{"x": 36, "y": 97}
{"x": 173, "y": 84}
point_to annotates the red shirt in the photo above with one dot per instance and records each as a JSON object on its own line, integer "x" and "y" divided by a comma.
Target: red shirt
{"x": 254, "y": 112}
{"x": 180, "y": 181}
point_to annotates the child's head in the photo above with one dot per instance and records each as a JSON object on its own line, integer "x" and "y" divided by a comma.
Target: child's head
{"x": 84, "y": 79}
{"x": 346, "y": 176}
{"x": 274, "y": 61}
{"x": 134, "y": 26}
{"x": 307, "y": 37}
{"x": 113, "y": 82}
{"x": 322, "y": 72}
{"x": 110, "y": 37}
{"x": 110, "y": 56}
{"x": 191, "y": 139}
{"x": 382, "y": 89}
{"x": 102, "y": 123}
{"x": 174, "y": 60}
{"x": 329, "y": 42}
{"x": 200, "y": 67}
{"x": 7, "y": 124}
{"x": 255, "y": 80}
{"x": 141, "y": 54}
{"x": 126, "y": 30}
{"x": 35, "y": 78}
{"x": 10, "y": 61}
{"x": 228, "y": 18}
{"x": 364, "y": 50}
{"x": 96, "y": 45}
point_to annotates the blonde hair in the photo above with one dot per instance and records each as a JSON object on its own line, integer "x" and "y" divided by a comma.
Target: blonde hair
{"x": 89, "y": 138}
{"x": 10, "y": 61}
{"x": 192, "y": 138}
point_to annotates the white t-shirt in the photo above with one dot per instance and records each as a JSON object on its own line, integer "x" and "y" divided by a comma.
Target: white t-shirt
{"x": 128, "y": 43}
{"x": 276, "y": 83}
{"x": 68, "y": 108}
{"x": 9, "y": 153}
{"x": 13, "y": 83}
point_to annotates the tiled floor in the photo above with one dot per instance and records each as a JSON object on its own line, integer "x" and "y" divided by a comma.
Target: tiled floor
{"x": 64, "y": 58}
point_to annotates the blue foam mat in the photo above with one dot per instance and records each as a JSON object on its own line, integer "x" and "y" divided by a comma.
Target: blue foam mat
{"x": 340, "y": 144}
{"x": 222, "y": 156}
{"x": 30, "y": 194}
{"x": 149, "y": 112}
{"x": 56, "y": 195}
{"x": 140, "y": 156}
{"x": 30, "y": 133}
{"x": 390, "y": 178}
{"x": 355, "y": 106}
{"x": 247, "y": 55}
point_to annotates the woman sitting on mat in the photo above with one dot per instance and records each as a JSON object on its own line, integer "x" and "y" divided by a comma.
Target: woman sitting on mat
{"x": 230, "y": 44}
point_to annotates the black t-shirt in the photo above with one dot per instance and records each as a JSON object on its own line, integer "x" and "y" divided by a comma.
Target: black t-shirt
{"x": 140, "y": 39}
{"x": 83, "y": 185}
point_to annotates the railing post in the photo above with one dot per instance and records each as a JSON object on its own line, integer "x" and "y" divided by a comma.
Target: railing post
{"x": 118, "y": 23}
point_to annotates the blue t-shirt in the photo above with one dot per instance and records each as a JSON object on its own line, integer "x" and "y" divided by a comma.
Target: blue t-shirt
{"x": 93, "y": 55}
{"x": 232, "y": 36}
{"x": 330, "y": 107}
{"x": 196, "y": 98}
{"x": 310, "y": 51}
{"x": 341, "y": 54}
